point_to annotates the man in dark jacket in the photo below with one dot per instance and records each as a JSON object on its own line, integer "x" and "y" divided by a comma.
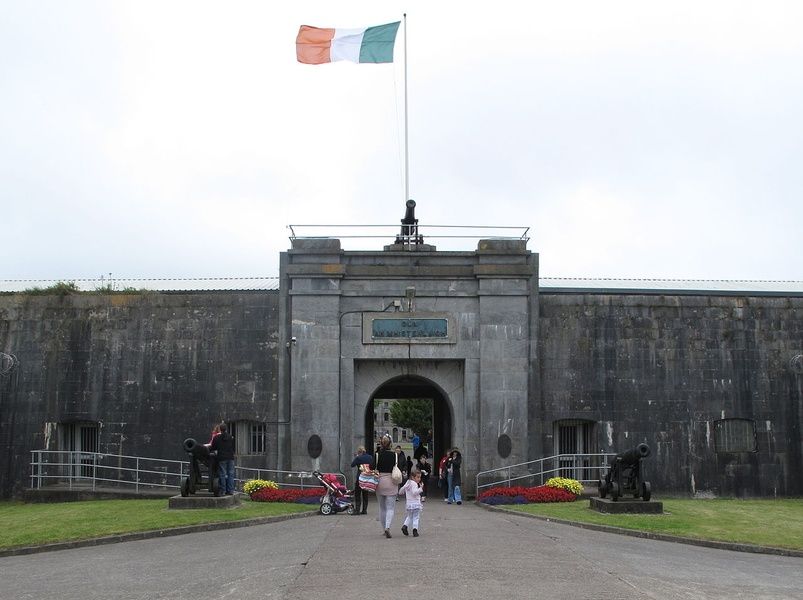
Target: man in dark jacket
{"x": 223, "y": 446}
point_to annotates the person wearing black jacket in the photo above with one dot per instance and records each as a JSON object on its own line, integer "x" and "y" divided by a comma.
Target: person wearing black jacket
{"x": 401, "y": 460}
{"x": 223, "y": 447}
{"x": 425, "y": 469}
{"x": 360, "y": 495}
{"x": 453, "y": 467}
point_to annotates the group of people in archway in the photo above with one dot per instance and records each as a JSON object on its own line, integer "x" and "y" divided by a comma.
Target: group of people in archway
{"x": 414, "y": 485}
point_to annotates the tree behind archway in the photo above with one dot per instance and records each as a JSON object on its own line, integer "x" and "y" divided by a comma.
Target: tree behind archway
{"x": 413, "y": 413}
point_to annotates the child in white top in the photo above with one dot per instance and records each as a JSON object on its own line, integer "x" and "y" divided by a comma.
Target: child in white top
{"x": 412, "y": 491}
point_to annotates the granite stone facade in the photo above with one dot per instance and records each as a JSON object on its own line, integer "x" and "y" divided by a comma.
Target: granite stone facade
{"x": 707, "y": 380}
{"x": 147, "y": 370}
{"x": 666, "y": 370}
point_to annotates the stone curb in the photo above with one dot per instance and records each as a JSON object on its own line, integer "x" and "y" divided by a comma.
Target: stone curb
{"x": 157, "y": 533}
{"x": 736, "y": 547}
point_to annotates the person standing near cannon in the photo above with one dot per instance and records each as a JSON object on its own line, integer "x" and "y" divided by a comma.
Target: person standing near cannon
{"x": 215, "y": 433}
{"x": 223, "y": 447}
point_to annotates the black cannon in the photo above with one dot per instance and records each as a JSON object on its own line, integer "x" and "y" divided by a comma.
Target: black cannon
{"x": 203, "y": 469}
{"x": 626, "y": 475}
{"x": 409, "y": 227}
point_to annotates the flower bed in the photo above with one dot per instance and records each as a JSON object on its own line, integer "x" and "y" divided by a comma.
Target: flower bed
{"x": 305, "y": 496}
{"x": 253, "y": 485}
{"x": 564, "y": 483}
{"x": 525, "y": 495}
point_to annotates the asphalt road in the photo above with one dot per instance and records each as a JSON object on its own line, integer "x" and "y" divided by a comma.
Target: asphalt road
{"x": 464, "y": 552}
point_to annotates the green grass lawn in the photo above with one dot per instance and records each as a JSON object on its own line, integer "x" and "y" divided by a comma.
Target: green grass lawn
{"x": 777, "y": 523}
{"x": 34, "y": 524}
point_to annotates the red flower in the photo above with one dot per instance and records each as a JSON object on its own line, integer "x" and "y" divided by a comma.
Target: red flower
{"x": 286, "y": 494}
{"x": 541, "y": 493}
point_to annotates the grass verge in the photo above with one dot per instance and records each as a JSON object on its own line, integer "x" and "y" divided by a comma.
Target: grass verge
{"x": 34, "y": 524}
{"x": 777, "y": 523}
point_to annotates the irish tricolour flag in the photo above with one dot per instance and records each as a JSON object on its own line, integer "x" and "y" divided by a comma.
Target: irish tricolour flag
{"x": 315, "y": 45}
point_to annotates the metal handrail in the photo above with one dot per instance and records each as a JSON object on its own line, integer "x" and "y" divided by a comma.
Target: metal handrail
{"x": 499, "y": 232}
{"x": 88, "y": 468}
{"x": 557, "y": 465}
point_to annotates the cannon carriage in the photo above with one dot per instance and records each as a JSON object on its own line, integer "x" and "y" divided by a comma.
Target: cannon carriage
{"x": 203, "y": 469}
{"x": 626, "y": 476}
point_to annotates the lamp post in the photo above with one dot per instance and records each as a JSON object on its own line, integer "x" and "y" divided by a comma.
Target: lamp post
{"x": 393, "y": 304}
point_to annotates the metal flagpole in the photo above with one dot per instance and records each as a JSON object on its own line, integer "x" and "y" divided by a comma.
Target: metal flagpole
{"x": 406, "y": 143}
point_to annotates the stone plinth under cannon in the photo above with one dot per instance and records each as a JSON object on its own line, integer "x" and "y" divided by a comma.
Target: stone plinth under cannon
{"x": 609, "y": 506}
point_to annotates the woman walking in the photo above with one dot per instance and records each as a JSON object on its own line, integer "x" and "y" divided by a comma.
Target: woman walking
{"x": 453, "y": 468}
{"x": 387, "y": 489}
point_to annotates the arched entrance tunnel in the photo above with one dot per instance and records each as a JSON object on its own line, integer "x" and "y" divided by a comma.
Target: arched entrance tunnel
{"x": 408, "y": 387}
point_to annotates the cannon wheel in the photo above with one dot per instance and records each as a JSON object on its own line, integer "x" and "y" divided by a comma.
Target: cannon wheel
{"x": 614, "y": 491}
{"x": 603, "y": 489}
{"x": 646, "y": 492}
{"x": 185, "y": 487}
{"x": 326, "y": 508}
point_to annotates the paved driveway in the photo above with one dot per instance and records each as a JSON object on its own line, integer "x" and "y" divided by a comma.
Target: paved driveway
{"x": 464, "y": 552}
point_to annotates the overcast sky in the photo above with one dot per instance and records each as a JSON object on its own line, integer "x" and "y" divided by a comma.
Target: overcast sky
{"x": 180, "y": 139}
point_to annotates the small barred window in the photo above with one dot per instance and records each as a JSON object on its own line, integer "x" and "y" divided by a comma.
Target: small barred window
{"x": 250, "y": 437}
{"x": 735, "y": 435}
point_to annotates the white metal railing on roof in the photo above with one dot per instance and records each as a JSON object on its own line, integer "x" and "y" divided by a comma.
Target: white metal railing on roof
{"x": 95, "y": 469}
{"x": 585, "y": 468}
{"x": 389, "y": 232}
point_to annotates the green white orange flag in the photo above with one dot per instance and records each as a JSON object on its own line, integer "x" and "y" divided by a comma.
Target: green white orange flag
{"x": 316, "y": 46}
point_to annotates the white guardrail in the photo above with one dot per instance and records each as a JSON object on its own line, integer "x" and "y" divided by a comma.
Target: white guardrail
{"x": 90, "y": 470}
{"x": 585, "y": 468}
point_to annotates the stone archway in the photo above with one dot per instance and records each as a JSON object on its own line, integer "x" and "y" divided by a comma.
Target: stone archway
{"x": 441, "y": 380}
{"x": 413, "y": 386}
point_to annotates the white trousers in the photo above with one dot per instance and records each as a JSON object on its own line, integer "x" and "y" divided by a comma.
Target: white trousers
{"x": 387, "y": 506}
{"x": 412, "y": 517}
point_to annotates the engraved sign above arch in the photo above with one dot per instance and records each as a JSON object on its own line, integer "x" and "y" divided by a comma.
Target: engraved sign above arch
{"x": 409, "y": 328}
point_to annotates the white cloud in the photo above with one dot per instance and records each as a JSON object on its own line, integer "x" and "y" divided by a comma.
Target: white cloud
{"x": 181, "y": 138}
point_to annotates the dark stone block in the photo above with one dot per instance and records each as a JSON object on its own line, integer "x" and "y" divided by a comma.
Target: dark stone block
{"x": 624, "y": 506}
{"x": 202, "y": 500}
{"x": 317, "y": 245}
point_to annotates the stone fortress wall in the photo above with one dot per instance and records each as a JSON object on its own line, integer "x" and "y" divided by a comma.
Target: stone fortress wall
{"x": 688, "y": 374}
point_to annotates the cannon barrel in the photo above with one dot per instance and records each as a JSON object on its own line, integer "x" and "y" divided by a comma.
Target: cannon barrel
{"x": 196, "y": 449}
{"x": 409, "y": 214}
{"x": 634, "y": 455}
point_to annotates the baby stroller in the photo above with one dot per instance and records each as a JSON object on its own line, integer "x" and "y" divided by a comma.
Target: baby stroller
{"x": 336, "y": 498}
